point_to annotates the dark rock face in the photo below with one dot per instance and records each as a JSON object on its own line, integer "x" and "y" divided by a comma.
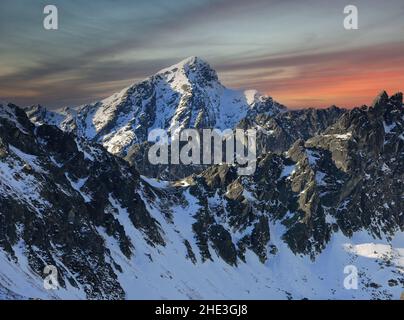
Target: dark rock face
{"x": 277, "y": 133}
{"x": 138, "y": 158}
{"x": 222, "y": 242}
{"x": 67, "y": 186}
{"x": 348, "y": 178}
{"x": 367, "y": 144}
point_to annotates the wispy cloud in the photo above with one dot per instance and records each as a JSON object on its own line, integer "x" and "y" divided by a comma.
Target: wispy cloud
{"x": 298, "y": 52}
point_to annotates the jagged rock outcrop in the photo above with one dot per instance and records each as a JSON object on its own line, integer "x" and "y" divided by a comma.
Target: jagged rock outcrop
{"x": 347, "y": 179}
{"x": 56, "y": 191}
{"x": 277, "y": 133}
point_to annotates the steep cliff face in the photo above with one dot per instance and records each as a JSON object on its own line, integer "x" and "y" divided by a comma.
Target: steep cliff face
{"x": 56, "y": 192}
{"x": 277, "y": 133}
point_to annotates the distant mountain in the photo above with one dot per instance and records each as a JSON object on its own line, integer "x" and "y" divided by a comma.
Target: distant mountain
{"x": 330, "y": 201}
{"x": 186, "y": 95}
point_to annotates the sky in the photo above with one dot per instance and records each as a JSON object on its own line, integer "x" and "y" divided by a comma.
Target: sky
{"x": 296, "y": 51}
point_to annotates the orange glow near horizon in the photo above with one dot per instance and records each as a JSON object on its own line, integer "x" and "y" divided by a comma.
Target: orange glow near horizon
{"x": 347, "y": 78}
{"x": 348, "y": 91}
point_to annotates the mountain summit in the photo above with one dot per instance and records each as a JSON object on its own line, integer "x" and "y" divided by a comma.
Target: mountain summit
{"x": 192, "y": 70}
{"x": 185, "y": 95}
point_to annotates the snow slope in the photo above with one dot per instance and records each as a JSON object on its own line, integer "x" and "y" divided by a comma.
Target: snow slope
{"x": 166, "y": 273}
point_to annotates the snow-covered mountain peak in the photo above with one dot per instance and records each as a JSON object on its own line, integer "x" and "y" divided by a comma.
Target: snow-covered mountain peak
{"x": 185, "y": 95}
{"x": 192, "y": 63}
{"x": 190, "y": 66}
{"x": 192, "y": 71}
